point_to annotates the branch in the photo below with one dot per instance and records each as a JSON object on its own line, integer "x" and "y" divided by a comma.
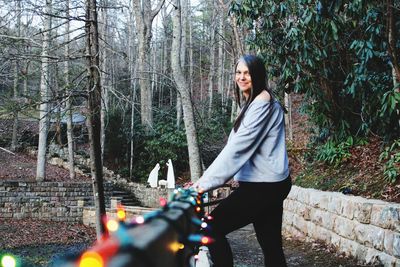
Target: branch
{"x": 157, "y": 9}
{"x": 8, "y": 151}
{"x": 20, "y": 38}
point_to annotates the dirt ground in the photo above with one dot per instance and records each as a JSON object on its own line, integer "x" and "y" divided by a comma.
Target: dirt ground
{"x": 22, "y": 167}
{"x": 247, "y": 252}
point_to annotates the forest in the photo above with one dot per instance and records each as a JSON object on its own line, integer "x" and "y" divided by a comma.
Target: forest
{"x": 154, "y": 79}
{"x": 128, "y": 84}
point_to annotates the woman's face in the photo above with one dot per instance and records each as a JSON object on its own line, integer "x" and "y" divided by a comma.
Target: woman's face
{"x": 243, "y": 78}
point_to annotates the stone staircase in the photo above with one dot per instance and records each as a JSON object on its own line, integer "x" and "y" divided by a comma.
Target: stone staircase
{"x": 126, "y": 198}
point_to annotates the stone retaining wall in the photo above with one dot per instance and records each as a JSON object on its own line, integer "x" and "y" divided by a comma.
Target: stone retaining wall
{"x": 89, "y": 213}
{"x": 366, "y": 229}
{"x": 56, "y": 201}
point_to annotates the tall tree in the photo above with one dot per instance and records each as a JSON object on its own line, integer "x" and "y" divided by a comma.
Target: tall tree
{"x": 188, "y": 115}
{"x": 94, "y": 110}
{"x": 144, "y": 17}
{"x": 68, "y": 101}
{"x": 104, "y": 68}
{"x": 44, "y": 96}
{"x": 394, "y": 52}
{"x": 211, "y": 73}
{"x": 16, "y": 81}
{"x": 132, "y": 86}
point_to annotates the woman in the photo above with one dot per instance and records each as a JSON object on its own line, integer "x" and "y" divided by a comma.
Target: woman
{"x": 255, "y": 155}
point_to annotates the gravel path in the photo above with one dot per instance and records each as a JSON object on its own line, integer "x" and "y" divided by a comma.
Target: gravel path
{"x": 247, "y": 252}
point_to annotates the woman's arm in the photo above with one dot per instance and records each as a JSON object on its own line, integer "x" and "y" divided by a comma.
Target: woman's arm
{"x": 240, "y": 147}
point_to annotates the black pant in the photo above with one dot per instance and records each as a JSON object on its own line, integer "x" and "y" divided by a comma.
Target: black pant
{"x": 257, "y": 203}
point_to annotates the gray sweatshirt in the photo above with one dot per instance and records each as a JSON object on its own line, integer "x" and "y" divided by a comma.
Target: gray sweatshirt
{"x": 255, "y": 153}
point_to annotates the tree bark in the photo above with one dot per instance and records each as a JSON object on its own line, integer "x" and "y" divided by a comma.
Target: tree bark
{"x": 392, "y": 40}
{"x": 132, "y": 83}
{"x": 191, "y": 61}
{"x": 94, "y": 109}
{"x": 288, "y": 116}
{"x": 44, "y": 97}
{"x": 212, "y": 65}
{"x": 104, "y": 73}
{"x": 188, "y": 116}
{"x": 14, "y": 138}
{"x": 184, "y": 11}
{"x": 68, "y": 105}
{"x": 144, "y": 17}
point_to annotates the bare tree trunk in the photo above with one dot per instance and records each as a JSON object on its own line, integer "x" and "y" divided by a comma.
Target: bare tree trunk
{"x": 132, "y": 83}
{"x": 144, "y": 17}
{"x": 392, "y": 40}
{"x": 212, "y": 68}
{"x": 178, "y": 110}
{"x": 220, "y": 66}
{"x": 44, "y": 97}
{"x": 201, "y": 78}
{"x": 184, "y": 11}
{"x": 191, "y": 61}
{"x": 288, "y": 116}
{"x": 191, "y": 135}
{"x": 104, "y": 68}
{"x": 238, "y": 49}
{"x": 94, "y": 109}
{"x": 14, "y": 141}
{"x": 68, "y": 105}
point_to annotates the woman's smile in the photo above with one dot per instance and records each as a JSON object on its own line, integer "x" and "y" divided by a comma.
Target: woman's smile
{"x": 243, "y": 78}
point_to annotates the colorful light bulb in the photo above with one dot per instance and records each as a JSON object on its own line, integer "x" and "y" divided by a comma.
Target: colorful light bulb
{"x": 8, "y": 261}
{"x": 205, "y": 240}
{"x": 91, "y": 259}
{"x": 112, "y": 225}
{"x": 139, "y": 219}
{"x": 121, "y": 214}
{"x": 175, "y": 246}
{"x": 163, "y": 202}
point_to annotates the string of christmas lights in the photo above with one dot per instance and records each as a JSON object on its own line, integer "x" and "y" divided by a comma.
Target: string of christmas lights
{"x": 118, "y": 241}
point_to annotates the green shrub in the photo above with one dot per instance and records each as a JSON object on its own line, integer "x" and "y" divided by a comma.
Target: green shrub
{"x": 333, "y": 152}
{"x": 391, "y": 156}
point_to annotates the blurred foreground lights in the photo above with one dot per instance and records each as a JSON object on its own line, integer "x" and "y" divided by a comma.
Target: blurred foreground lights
{"x": 91, "y": 259}
{"x": 121, "y": 214}
{"x": 175, "y": 246}
{"x": 139, "y": 219}
{"x": 205, "y": 240}
{"x": 204, "y": 225}
{"x": 8, "y": 261}
{"x": 163, "y": 202}
{"x": 112, "y": 225}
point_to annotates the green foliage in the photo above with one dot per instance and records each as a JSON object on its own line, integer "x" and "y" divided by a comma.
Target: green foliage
{"x": 334, "y": 153}
{"x": 391, "y": 156}
{"x": 336, "y": 54}
{"x": 165, "y": 141}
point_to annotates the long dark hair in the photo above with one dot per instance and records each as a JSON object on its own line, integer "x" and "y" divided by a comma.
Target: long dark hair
{"x": 258, "y": 76}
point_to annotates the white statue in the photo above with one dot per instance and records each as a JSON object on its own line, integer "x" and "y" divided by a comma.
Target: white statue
{"x": 204, "y": 259}
{"x": 153, "y": 176}
{"x": 170, "y": 175}
{"x": 162, "y": 183}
